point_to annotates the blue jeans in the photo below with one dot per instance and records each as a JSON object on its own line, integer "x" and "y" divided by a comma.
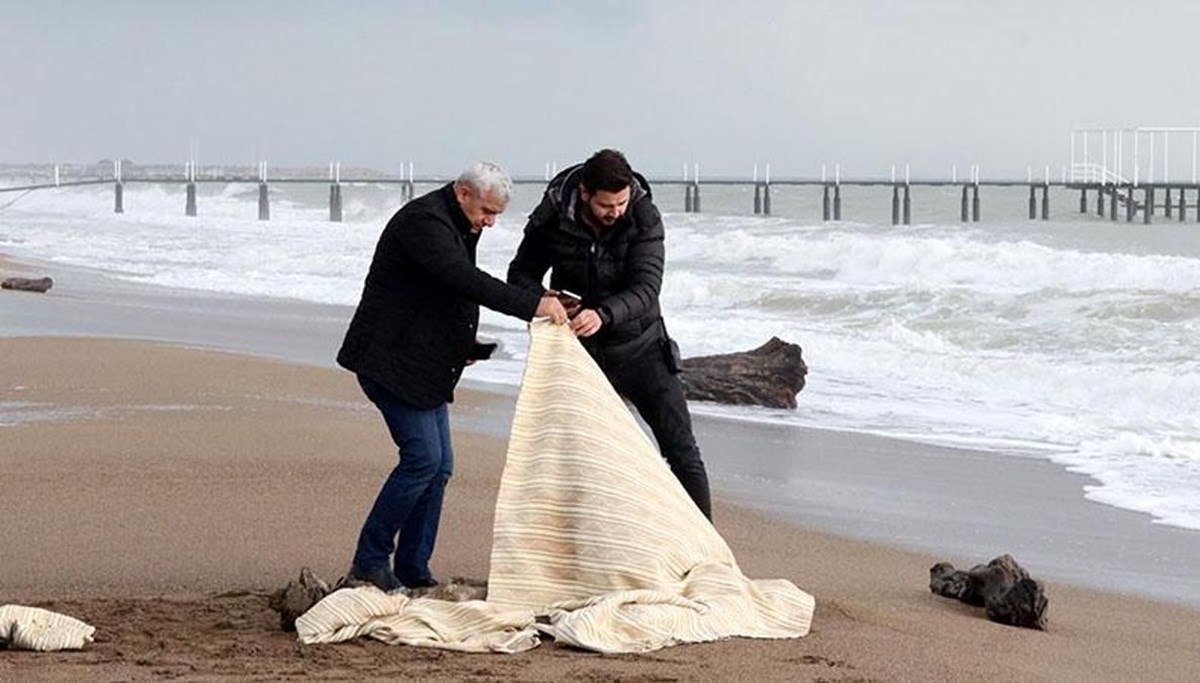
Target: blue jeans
{"x": 410, "y": 502}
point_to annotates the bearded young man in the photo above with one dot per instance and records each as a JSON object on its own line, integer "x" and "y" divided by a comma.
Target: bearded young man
{"x": 599, "y": 234}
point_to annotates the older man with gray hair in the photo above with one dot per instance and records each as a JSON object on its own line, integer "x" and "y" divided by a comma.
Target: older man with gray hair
{"x": 410, "y": 337}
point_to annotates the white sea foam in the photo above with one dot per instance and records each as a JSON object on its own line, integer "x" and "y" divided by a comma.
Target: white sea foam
{"x": 1074, "y": 341}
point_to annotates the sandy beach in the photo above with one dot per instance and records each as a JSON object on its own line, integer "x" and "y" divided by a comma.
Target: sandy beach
{"x": 161, "y": 491}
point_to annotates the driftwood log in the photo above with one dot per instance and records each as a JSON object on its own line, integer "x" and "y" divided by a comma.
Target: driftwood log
{"x": 1002, "y": 587}
{"x": 770, "y": 376}
{"x": 25, "y": 284}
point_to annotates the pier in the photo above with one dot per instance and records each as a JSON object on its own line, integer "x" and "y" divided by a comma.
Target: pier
{"x": 1112, "y": 200}
{"x": 1111, "y": 186}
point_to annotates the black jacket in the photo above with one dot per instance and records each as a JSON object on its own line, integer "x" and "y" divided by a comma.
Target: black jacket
{"x": 618, "y": 272}
{"x": 416, "y": 322}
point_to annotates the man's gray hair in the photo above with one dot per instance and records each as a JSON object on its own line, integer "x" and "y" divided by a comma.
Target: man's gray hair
{"x": 484, "y": 177}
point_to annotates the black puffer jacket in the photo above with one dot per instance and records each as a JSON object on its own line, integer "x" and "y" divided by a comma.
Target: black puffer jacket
{"x": 415, "y": 324}
{"x": 618, "y": 272}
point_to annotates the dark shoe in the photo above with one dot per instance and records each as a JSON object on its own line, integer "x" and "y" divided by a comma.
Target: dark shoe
{"x": 427, "y": 582}
{"x": 380, "y": 577}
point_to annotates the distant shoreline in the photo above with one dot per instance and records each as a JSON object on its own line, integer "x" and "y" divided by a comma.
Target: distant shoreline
{"x": 103, "y": 169}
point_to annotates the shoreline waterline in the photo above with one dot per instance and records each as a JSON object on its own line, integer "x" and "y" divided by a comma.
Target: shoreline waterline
{"x": 966, "y": 505}
{"x": 1069, "y": 339}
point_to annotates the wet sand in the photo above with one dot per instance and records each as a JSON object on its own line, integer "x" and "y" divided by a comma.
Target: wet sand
{"x": 965, "y": 506}
{"x": 160, "y": 492}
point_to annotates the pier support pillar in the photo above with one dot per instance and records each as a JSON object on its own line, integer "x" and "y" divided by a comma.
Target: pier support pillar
{"x": 766, "y": 199}
{"x": 1182, "y": 206}
{"x": 1100, "y": 199}
{"x": 1046, "y": 202}
{"x": 1112, "y": 204}
{"x": 1148, "y": 206}
{"x": 189, "y": 205}
{"x": 687, "y": 197}
{"x": 695, "y": 197}
{"x": 264, "y": 203}
{"x": 825, "y": 207}
{"x": 837, "y": 202}
{"x": 1167, "y": 208}
{"x": 965, "y": 212}
{"x": 1033, "y": 204}
{"x": 757, "y": 198}
{"x": 1129, "y": 204}
{"x": 895, "y": 205}
{"x": 1083, "y": 200}
{"x": 119, "y": 197}
{"x": 907, "y": 206}
{"x": 335, "y": 202}
{"x": 975, "y": 203}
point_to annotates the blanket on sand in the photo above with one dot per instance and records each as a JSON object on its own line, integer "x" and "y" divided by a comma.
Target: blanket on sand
{"x": 34, "y": 628}
{"x": 596, "y": 544}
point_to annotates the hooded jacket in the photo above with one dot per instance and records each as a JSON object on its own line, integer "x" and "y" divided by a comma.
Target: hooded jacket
{"x": 617, "y": 272}
{"x": 414, "y": 327}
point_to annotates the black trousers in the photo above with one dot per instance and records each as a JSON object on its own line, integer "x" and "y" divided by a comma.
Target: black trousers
{"x": 658, "y": 396}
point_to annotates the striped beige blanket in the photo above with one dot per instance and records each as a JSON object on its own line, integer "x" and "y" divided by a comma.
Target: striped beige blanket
{"x": 596, "y": 543}
{"x": 34, "y": 628}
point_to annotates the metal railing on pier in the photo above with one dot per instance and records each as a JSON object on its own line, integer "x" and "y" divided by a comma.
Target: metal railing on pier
{"x": 1113, "y": 190}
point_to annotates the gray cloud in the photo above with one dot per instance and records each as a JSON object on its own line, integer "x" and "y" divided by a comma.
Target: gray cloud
{"x": 794, "y": 84}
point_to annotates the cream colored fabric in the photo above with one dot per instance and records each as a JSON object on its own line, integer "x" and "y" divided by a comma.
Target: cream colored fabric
{"x": 593, "y": 532}
{"x": 593, "y": 529}
{"x": 34, "y": 628}
{"x": 472, "y": 626}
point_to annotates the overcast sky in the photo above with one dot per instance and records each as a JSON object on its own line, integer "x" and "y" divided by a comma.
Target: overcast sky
{"x": 524, "y": 82}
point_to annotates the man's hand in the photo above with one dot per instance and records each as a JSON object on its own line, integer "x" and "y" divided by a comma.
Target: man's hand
{"x": 586, "y": 323}
{"x": 570, "y": 302}
{"x": 550, "y": 307}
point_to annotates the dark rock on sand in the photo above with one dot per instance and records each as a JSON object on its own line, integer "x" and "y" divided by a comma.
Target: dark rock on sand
{"x": 1002, "y": 587}
{"x": 25, "y": 284}
{"x": 297, "y": 597}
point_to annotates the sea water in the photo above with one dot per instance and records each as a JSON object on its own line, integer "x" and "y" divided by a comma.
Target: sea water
{"x": 1075, "y": 339}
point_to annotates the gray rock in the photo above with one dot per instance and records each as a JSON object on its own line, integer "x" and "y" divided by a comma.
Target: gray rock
{"x": 297, "y": 597}
{"x": 27, "y": 285}
{"x": 1002, "y": 587}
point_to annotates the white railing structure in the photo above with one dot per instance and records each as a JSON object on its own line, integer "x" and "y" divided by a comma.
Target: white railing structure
{"x": 1111, "y": 167}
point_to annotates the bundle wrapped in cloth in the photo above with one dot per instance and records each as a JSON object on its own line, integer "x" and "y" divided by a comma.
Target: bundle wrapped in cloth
{"x": 596, "y": 544}
{"x": 34, "y": 628}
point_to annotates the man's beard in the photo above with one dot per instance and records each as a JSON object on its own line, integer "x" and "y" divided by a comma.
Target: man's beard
{"x": 600, "y": 220}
